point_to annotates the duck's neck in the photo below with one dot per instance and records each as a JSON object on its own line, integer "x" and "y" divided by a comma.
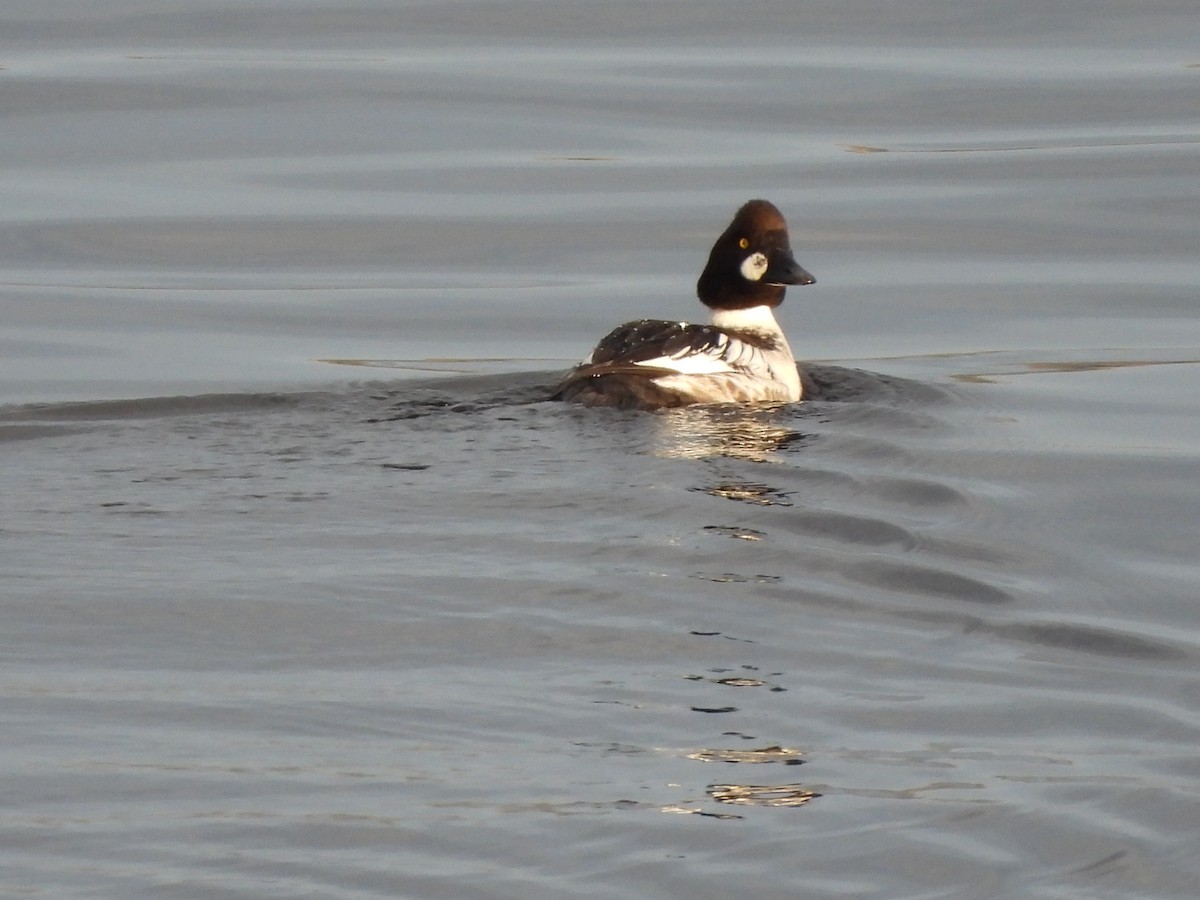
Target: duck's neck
{"x": 753, "y": 318}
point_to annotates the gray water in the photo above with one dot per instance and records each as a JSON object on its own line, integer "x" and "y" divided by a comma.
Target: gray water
{"x": 308, "y": 591}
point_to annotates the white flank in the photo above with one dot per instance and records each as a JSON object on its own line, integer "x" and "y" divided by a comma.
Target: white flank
{"x": 691, "y": 364}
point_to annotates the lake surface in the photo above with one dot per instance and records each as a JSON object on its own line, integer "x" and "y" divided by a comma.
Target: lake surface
{"x": 308, "y": 591}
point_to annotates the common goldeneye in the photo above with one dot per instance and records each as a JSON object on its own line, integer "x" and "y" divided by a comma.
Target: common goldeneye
{"x": 740, "y": 357}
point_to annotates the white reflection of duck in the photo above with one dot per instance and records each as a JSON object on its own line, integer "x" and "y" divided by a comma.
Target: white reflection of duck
{"x": 753, "y": 433}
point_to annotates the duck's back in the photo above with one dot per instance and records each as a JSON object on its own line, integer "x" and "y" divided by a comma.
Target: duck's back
{"x": 653, "y": 363}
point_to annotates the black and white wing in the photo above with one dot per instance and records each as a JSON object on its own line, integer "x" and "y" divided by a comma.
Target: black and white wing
{"x": 679, "y": 347}
{"x": 638, "y": 365}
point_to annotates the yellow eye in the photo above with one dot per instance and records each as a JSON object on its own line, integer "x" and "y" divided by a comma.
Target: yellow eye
{"x": 743, "y": 243}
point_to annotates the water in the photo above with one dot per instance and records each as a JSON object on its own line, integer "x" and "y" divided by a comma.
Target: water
{"x": 307, "y": 591}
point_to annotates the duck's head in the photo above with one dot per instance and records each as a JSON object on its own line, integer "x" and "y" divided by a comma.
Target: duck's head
{"x": 751, "y": 263}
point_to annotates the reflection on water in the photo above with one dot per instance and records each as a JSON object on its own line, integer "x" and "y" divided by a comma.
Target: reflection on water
{"x": 776, "y": 754}
{"x": 695, "y": 811}
{"x": 737, "y": 532}
{"x": 448, "y": 364}
{"x": 761, "y": 794}
{"x": 1041, "y": 144}
{"x": 1060, "y": 367}
{"x": 749, "y": 492}
{"x": 740, "y": 432}
{"x": 737, "y": 578}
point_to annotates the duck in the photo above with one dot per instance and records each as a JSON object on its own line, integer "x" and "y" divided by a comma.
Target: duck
{"x": 740, "y": 356}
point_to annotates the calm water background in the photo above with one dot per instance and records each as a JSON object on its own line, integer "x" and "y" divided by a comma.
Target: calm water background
{"x": 306, "y": 592}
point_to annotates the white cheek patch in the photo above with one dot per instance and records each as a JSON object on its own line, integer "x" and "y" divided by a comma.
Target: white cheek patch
{"x": 754, "y": 267}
